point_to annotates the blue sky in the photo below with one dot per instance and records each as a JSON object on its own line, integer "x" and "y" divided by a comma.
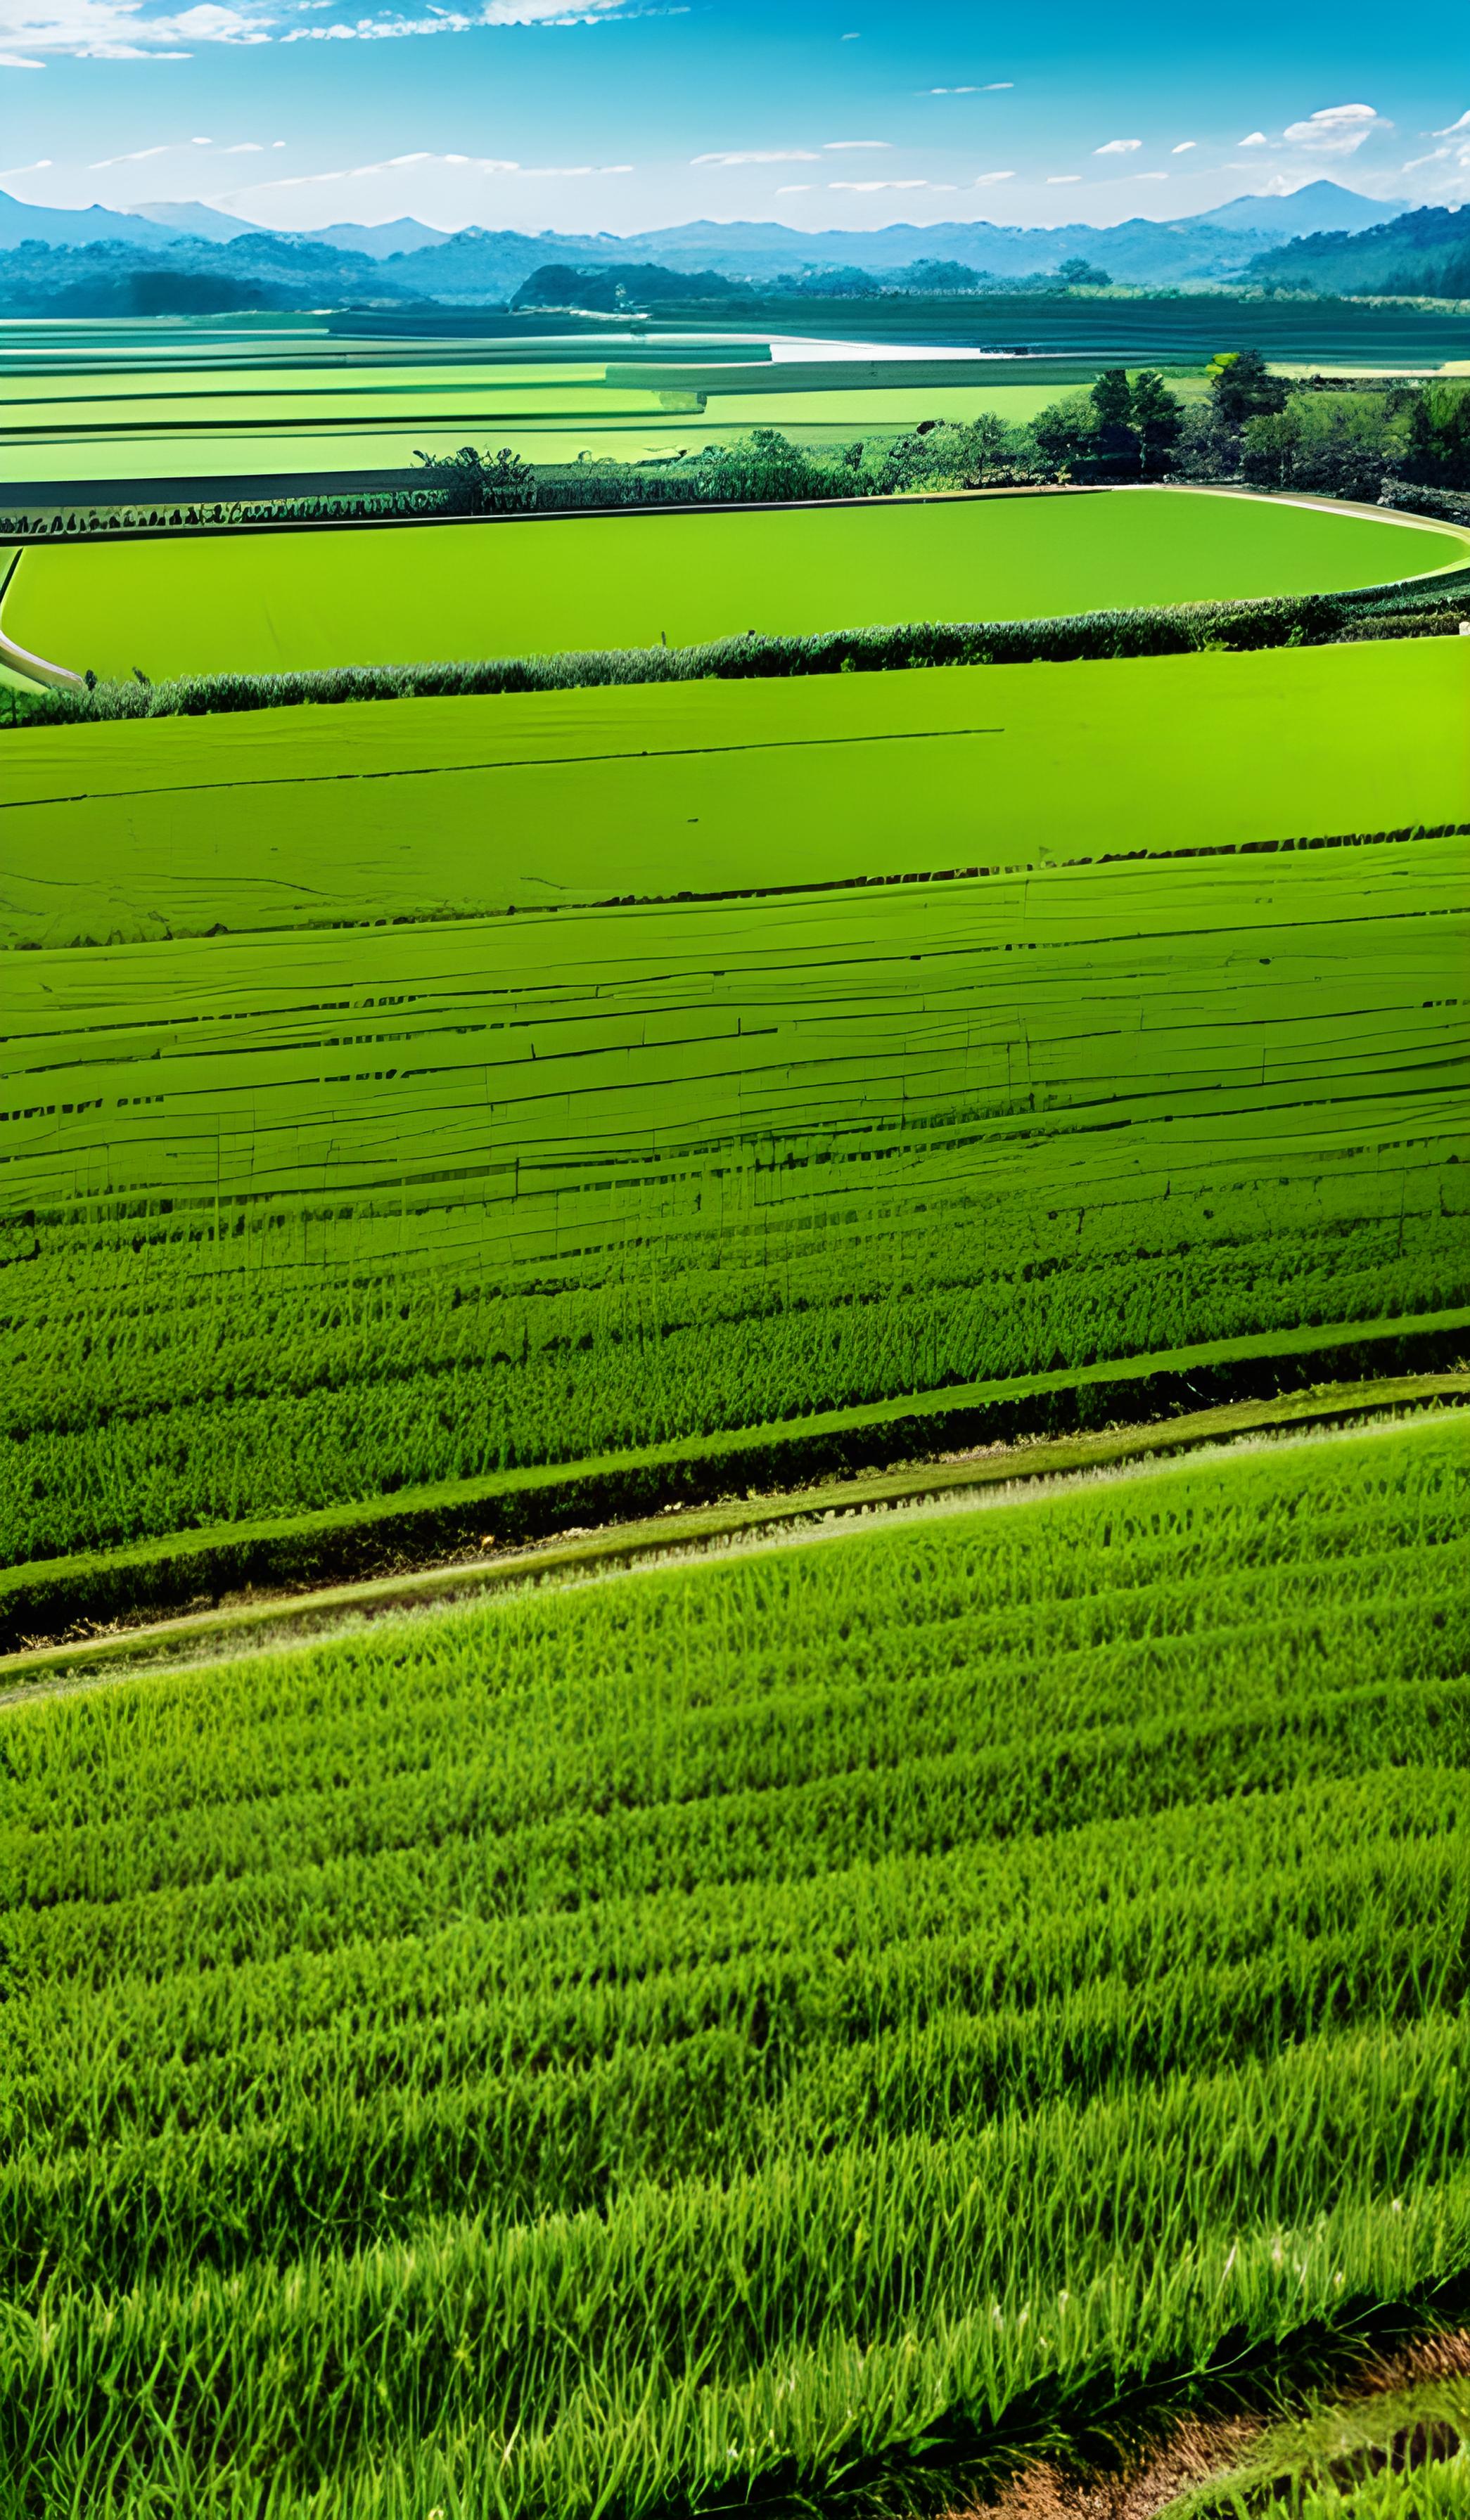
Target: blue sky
{"x": 509, "y": 114}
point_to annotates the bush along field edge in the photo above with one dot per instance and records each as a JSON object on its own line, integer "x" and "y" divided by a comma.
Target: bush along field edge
{"x": 1434, "y": 605}
{"x": 384, "y": 1537}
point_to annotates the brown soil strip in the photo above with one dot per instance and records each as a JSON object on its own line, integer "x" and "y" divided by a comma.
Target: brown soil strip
{"x": 1193, "y": 2452}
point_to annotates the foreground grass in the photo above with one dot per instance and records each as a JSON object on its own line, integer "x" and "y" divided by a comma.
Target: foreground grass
{"x": 617, "y": 2048}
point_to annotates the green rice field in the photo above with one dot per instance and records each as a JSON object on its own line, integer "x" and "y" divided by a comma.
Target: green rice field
{"x": 371, "y": 595}
{"x": 812, "y": 2005}
{"x": 310, "y": 1213}
{"x": 717, "y": 2028}
{"x": 315, "y": 817}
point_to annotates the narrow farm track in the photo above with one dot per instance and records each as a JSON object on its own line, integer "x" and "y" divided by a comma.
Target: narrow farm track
{"x": 1000, "y": 1475}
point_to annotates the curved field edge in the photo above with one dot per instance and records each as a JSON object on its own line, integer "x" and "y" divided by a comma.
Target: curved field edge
{"x": 1009, "y": 1472}
{"x": 1269, "y": 621}
{"x": 40, "y": 1599}
{"x": 299, "y": 603}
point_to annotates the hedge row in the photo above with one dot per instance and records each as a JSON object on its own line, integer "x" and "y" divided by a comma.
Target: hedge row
{"x": 1276, "y": 622}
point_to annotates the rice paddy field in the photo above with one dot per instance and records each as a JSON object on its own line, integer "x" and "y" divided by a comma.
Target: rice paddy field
{"x": 632, "y": 2047}
{"x": 387, "y": 594}
{"x": 815, "y": 2021}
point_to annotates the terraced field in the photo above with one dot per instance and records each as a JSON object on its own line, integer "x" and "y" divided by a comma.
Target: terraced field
{"x": 728, "y": 2026}
{"x": 384, "y": 595}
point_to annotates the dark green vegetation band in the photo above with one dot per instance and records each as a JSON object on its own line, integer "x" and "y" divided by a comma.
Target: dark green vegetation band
{"x": 340, "y": 1543}
{"x": 1166, "y": 630}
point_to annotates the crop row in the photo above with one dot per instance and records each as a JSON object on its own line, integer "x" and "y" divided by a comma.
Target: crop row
{"x": 310, "y": 1218}
{"x": 621, "y": 2045}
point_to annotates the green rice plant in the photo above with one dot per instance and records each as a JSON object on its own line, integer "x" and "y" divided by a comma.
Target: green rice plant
{"x": 722, "y": 2028}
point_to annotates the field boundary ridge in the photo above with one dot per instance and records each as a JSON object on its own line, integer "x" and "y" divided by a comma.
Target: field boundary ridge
{"x": 56, "y": 1600}
{"x": 613, "y": 1546}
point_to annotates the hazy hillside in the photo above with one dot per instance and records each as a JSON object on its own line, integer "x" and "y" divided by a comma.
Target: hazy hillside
{"x": 1426, "y": 253}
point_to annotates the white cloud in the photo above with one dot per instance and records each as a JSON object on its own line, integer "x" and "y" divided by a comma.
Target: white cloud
{"x": 1254, "y": 140}
{"x": 857, "y": 144}
{"x": 245, "y": 148}
{"x": 131, "y": 30}
{"x": 133, "y": 157}
{"x": 757, "y": 158}
{"x": 793, "y": 188}
{"x": 992, "y": 88}
{"x": 1064, "y": 179}
{"x": 888, "y": 183}
{"x": 1160, "y": 177}
{"x": 1000, "y": 175}
{"x": 1450, "y": 129}
{"x": 14, "y": 62}
{"x": 8, "y": 174}
{"x": 1118, "y": 149}
{"x": 1335, "y": 130}
{"x": 1179, "y": 146}
{"x": 1432, "y": 159}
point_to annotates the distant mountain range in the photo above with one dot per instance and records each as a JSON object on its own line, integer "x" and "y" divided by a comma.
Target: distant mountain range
{"x": 81, "y": 260}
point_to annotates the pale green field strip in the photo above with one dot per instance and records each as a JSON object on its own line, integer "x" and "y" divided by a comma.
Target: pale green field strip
{"x": 455, "y": 808}
{"x": 628, "y": 2045}
{"x": 215, "y": 1065}
{"x": 290, "y": 1617}
{"x": 397, "y": 594}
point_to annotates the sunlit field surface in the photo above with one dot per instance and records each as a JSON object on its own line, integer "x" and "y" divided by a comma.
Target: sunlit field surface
{"x": 400, "y": 592}
{"x": 720, "y": 2025}
{"x": 312, "y": 1212}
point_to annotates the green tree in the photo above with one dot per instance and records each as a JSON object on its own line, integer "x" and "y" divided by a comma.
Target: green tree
{"x": 477, "y": 484}
{"x": 762, "y": 466}
{"x": 1243, "y": 386}
{"x": 1065, "y": 431}
{"x": 1158, "y": 416}
{"x": 1438, "y": 447}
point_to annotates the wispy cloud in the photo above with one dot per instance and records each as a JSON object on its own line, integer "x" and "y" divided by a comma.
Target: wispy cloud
{"x": 431, "y": 157}
{"x": 1156, "y": 175}
{"x": 1432, "y": 159}
{"x": 1179, "y": 146}
{"x": 1064, "y": 179}
{"x": 794, "y": 187}
{"x": 999, "y": 175}
{"x": 16, "y": 62}
{"x": 892, "y": 184}
{"x": 1118, "y": 149}
{"x": 129, "y": 30}
{"x": 857, "y": 144}
{"x": 757, "y": 158}
{"x": 10, "y": 174}
{"x": 992, "y": 88}
{"x": 1254, "y": 140}
{"x": 1450, "y": 129}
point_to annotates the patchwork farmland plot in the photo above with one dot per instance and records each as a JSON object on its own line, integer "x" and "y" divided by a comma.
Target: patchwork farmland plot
{"x": 811, "y": 2024}
{"x": 389, "y": 595}
{"x": 723, "y": 2027}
